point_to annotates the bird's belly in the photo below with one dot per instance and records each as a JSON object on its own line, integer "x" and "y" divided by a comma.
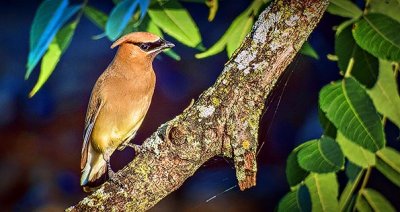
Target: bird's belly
{"x": 115, "y": 124}
{"x": 128, "y": 122}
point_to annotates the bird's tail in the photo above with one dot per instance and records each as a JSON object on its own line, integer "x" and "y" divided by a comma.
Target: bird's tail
{"x": 94, "y": 168}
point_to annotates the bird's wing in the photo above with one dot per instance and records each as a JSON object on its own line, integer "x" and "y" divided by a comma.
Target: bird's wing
{"x": 94, "y": 107}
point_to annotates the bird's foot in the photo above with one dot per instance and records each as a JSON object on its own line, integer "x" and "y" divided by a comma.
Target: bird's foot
{"x": 113, "y": 178}
{"x": 138, "y": 149}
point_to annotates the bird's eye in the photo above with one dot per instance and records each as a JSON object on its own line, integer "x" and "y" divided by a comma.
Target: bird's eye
{"x": 144, "y": 46}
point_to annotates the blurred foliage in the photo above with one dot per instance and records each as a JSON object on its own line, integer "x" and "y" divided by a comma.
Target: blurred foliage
{"x": 155, "y": 16}
{"x": 367, "y": 48}
{"x": 353, "y": 111}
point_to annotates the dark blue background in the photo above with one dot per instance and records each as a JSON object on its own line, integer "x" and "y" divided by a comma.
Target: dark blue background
{"x": 41, "y": 137}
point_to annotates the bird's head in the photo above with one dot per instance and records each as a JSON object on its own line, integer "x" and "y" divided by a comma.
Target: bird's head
{"x": 143, "y": 44}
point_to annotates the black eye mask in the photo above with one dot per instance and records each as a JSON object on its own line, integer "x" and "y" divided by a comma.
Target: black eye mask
{"x": 149, "y": 46}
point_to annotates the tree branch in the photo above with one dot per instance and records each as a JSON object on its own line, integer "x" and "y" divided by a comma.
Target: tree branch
{"x": 223, "y": 121}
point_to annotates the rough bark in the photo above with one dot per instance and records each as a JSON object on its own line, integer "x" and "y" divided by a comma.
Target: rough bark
{"x": 223, "y": 121}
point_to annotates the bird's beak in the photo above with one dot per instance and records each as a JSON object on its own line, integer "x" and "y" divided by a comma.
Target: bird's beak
{"x": 166, "y": 44}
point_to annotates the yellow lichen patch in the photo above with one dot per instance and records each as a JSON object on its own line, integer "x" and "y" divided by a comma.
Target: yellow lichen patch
{"x": 143, "y": 170}
{"x": 254, "y": 120}
{"x": 216, "y": 101}
{"x": 246, "y": 144}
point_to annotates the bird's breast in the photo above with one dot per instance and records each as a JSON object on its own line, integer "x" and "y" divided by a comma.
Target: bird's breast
{"x": 127, "y": 107}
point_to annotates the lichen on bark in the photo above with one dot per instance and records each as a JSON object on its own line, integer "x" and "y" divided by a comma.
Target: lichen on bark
{"x": 223, "y": 121}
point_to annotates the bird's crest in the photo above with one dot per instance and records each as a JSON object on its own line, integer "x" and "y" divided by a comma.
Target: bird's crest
{"x": 136, "y": 37}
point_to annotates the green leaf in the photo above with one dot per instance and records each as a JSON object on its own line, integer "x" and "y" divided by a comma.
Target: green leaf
{"x": 328, "y": 127}
{"x": 344, "y": 8}
{"x": 119, "y": 18}
{"x": 350, "y": 109}
{"x": 219, "y": 46}
{"x": 96, "y": 16}
{"x": 298, "y": 200}
{"x": 350, "y": 205}
{"x": 149, "y": 26}
{"x": 364, "y": 66}
{"x": 46, "y": 17}
{"x": 308, "y": 50}
{"x": 376, "y": 201}
{"x": 379, "y": 35}
{"x": 347, "y": 197}
{"x": 238, "y": 33}
{"x": 321, "y": 156}
{"x": 385, "y": 94}
{"x": 294, "y": 173}
{"x": 42, "y": 30}
{"x": 57, "y": 47}
{"x": 172, "y": 54}
{"x": 49, "y": 18}
{"x": 176, "y": 21}
{"x": 144, "y": 6}
{"x": 352, "y": 171}
{"x": 324, "y": 192}
{"x": 362, "y": 205}
{"x": 390, "y": 8}
{"x": 355, "y": 153}
{"x": 388, "y": 163}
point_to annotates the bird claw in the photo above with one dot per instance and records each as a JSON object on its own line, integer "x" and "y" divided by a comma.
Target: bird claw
{"x": 118, "y": 183}
{"x": 113, "y": 178}
{"x": 138, "y": 149}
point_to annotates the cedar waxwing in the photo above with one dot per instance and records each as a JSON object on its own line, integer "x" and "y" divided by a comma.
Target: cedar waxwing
{"x": 119, "y": 102}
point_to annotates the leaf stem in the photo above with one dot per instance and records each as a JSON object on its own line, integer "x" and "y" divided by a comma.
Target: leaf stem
{"x": 345, "y": 200}
{"x": 363, "y": 185}
{"x": 78, "y": 17}
{"x": 367, "y": 2}
{"x": 349, "y": 68}
{"x": 366, "y": 177}
{"x": 366, "y": 7}
{"x": 384, "y": 120}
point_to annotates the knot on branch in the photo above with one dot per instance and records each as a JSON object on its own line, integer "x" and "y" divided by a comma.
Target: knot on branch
{"x": 176, "y": 135}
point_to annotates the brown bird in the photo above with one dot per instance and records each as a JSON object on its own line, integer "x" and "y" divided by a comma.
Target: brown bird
{"x": 119, "y": 102}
